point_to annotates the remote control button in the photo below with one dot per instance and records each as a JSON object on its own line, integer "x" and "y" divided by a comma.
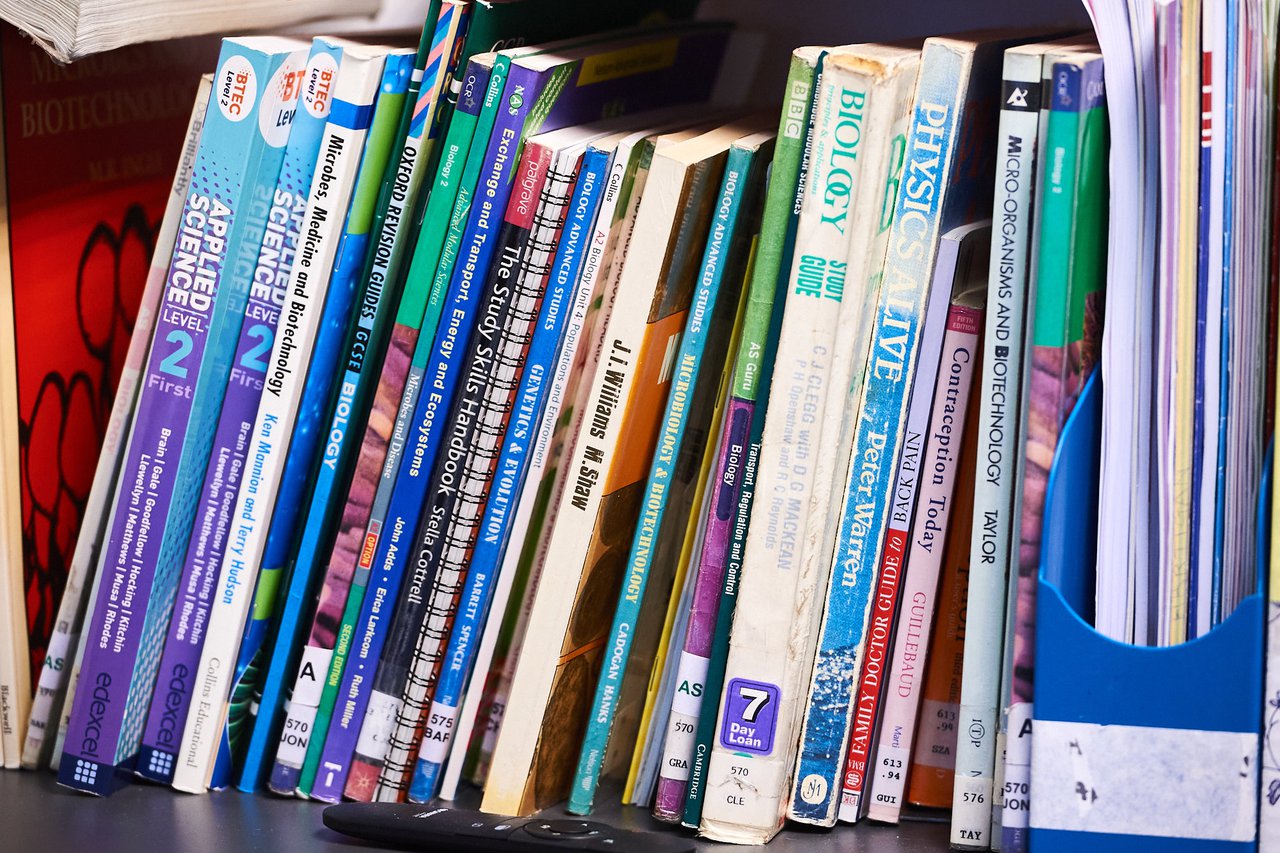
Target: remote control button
{"x": 564, "y": 829}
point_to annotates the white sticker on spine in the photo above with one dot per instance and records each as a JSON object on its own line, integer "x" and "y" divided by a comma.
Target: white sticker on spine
{"x": 379, "y": 720}
{"x": 1138, "y": 780}
{"x": 438, "y": 736}
{"x": 690, "y": 678}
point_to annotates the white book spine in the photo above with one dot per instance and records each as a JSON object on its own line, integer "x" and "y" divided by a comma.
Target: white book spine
{"x": 929, "y": 534}
{"x": 999, "y": 448}
{"x": 331, "y": 188}
{"x": 575, "y": 523}
{"x": 56, "y": 672}
{"x": 770, "y": 660}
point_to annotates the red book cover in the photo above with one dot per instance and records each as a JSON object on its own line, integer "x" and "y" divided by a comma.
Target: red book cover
{"x": 90, "y": 150}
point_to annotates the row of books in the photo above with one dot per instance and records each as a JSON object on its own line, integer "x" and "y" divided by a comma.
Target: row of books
{"x": 588, "y": 426}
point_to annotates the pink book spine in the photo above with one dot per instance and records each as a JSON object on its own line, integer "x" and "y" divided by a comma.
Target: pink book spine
{"x": 919, "y": 589}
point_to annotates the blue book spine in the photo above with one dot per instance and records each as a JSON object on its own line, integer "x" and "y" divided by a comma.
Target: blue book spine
{"x": 444, "y": 369}
{"x": 170, "y": 702}
{"x": 177, "y": 411}
{"x": 509, "y": 477}
{"x": 878, "y": 437}
{"x": 662, "y": 474}
{"x": 315, "y": 412}
{"x": 1229, "y": 276}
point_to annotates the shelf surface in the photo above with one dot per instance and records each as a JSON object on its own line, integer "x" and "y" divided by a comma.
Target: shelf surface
{"x": 37, "y": 815}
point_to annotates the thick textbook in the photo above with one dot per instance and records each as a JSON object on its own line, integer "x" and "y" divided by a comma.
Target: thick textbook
{"x": 73, "y": 29}
{"x": 335, "y": 264}
{"x": 55, "y": 372}
{"x": 236, "y": 435}
{"x": 670, "y": 488}
{"x": 241, "y": 148}
{"x": 870, "y": 88}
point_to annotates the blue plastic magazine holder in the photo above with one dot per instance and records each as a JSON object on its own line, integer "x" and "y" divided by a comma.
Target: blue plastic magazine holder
{"x": 1134, "y": 748}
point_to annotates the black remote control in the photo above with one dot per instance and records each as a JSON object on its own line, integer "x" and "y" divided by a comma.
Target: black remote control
{"x": 438, "y": 828}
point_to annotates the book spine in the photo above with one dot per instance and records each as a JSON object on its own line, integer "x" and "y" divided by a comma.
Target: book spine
{"x": 530, "y": 522}
{"x": 366, "y": 347}
{"x": 51, "y": 689}
{"x": 753, "y": 374}
{"x": 875, "y": 106}
{"x": 193, "y": 320}
{"x": 437, "y": 217}
{"x": 929, "y": 535}
{"x": 545, "y": 184}
{"x": 334, "y": 257}
{"x": 999, "y": 442}
{"x": 559, "y": 322}
{"x": 385, "y": 431}
{"x": 235, "y": 433}
{"x": 372, "y": 702}
{"x": 663, "y": 476}
{"x": 724, "y": 484}
{"x": 880, "y": 621}
{"x": 933, "y": 762}
{"x": 1074, "y": 206}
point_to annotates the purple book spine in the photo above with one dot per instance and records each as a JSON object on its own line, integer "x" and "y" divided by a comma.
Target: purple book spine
{"x": 686, "y": 708}
{"x": 168, "y": 710}
{"x": 145, "y": 492}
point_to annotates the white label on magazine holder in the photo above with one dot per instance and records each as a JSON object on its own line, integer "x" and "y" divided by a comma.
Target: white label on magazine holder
{"x": 1139, "y": 780}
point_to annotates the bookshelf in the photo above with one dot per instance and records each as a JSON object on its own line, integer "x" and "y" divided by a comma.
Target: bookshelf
{"x": 40, "y": 816}
{"x": 37, "y": 815}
